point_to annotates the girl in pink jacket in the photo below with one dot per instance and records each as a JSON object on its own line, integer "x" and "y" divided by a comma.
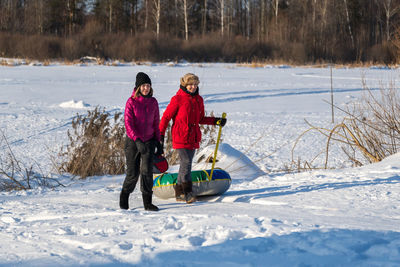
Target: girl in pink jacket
{"x": 142, "y": 118}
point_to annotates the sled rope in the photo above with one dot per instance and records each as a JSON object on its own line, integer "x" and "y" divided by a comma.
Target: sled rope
{"x": 216, "y": 145}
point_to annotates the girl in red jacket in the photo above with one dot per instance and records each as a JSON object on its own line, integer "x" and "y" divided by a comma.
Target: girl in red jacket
{"x": 142, "y": 117}
{"x": 186, "y": 109}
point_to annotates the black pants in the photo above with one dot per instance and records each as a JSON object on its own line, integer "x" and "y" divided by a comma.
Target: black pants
{"x": 185, "y": 166}
{"x": 138, "y": 164}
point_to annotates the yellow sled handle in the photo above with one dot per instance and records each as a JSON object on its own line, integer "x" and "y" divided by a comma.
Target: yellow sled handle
{"x": 216, "y": 145}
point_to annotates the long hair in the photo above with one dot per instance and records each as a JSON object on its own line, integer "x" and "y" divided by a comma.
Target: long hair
{"x": 138, "y": 93}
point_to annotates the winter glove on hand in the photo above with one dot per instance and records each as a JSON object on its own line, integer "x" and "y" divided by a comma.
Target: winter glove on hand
{"x": 222, "y": 123}
{"x": 160, "y": 146}
{"x": 141, "y": 146}
{"x": 160, "y": 149}
{"x": 162, "y": 140}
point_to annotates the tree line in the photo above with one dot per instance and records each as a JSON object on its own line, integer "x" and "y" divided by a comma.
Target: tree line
{"x": 299, "y": 31}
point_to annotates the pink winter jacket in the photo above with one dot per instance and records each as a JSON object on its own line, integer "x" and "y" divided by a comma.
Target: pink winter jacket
{"x": 142, "y": 118}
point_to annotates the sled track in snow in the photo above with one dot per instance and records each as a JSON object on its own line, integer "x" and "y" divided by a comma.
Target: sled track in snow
{"x": 267, "y": 93}
{"x": 258, "y": 94}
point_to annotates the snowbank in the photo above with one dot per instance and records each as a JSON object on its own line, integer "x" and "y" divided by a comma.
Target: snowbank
{"x": 74, "y": 104}
{"x": 237, "y": 164}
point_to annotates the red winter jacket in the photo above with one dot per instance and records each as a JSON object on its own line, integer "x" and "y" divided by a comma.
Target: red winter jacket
{"x": 187, "y": 112}
{"x": 142, "y": 118}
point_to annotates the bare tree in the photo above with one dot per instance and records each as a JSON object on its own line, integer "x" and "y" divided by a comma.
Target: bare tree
{"x": 248, "y": 19}
{"x": 70, "y": 7}
{"x": 146, "y": 20}
{"x": 324, "y": 7}
{"x": 34, "y": 17}
{"x": 132, "y": 16}
{"x": 263, "y": 6}
{"x": 275, "y": 6}
{"x": 230, "y": 17}
{"x": 391, "y": 8}
{"x": 110, "y": 16}
{"x": 204, "y": 18}
{"x": 318, "y": 22}
{"x": 176, "y": 17}
{"x": 222, "y": 8}
{"x": 186, "y": 6}
{"x": 157, "y": 15}
{"x": 9, "y": 17}
{"x": 348, "y": 23}
{"x": 73, "y": 9}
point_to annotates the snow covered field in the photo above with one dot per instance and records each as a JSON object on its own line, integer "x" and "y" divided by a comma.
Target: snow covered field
{"x": 342, "y": 217}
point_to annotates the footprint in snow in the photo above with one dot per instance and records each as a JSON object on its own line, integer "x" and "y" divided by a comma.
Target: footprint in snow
{"x": 196, "y": 241}
{"x": 261, "y": 223}
{"x": 173, "y": 224}
{"x": 65, "y": 231}
{"x": 125, "y": 246}
{"x": 276, "y": 221}
{"x": 9, "y": 219}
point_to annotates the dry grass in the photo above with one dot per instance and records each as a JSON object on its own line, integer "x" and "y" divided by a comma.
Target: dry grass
{"x": 14, "y": 175}
{"x": 370, "y": 130}
{"x": 96, "y": 145}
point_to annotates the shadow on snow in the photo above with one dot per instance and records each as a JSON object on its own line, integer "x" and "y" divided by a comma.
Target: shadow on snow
{"x": 246, "y": 195}
{"x": 335, "y": 247}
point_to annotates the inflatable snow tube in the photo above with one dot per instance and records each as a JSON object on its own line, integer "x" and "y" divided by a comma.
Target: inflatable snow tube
{"x": 160, "y": 164}
{"x": 163, "y": 185}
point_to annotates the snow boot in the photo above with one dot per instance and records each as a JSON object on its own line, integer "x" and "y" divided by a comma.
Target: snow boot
{"x": 190, "y": 197}
{"x": 124, "y": 200}
{"x": 179, "y": 195}
{"x": 147, "y": 203}
{"x": 187, "y": 189}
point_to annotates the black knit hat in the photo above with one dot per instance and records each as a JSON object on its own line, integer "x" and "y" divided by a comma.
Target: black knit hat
{"x": 142, "y": 78}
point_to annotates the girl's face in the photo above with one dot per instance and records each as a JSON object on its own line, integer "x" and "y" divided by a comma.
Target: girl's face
{"x": 145, "y": 89}
{"x": 192, "y": 87}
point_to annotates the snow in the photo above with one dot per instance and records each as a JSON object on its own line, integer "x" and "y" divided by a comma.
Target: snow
{"x": 237, "y": 164}
{"x": 345, "y": 216}
{"x": 74, "y": 104}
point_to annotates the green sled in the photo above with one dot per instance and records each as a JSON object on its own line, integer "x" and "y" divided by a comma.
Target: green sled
{"x": 163, "y": 185}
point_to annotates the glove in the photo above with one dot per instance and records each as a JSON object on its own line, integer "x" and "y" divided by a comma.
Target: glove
{"x": 222, "y": 123}
{"x": 141, "y": 146}
{"x": 160, "y": 149}
{"x": 162, "y": 140}
{"x": 160, "y": 146}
